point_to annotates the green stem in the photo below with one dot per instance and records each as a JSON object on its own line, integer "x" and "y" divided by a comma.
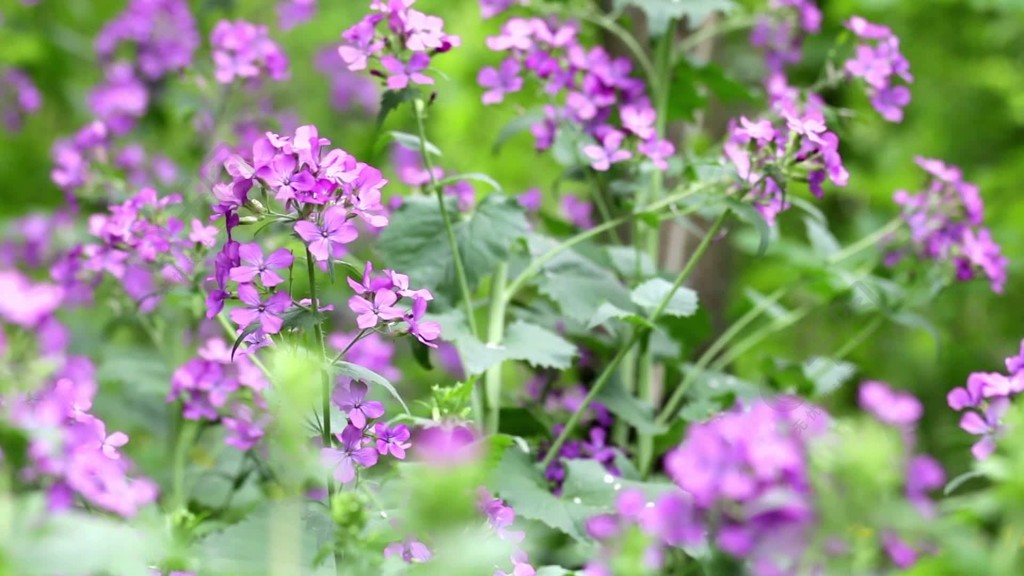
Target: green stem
{"x": 187, "y": 434}
{"x": 748, "y": 343}
{"x": 691, "y": 375}
{"x": 640, "y": 332}
{"x": 649, "y": 239}
{"x": 495, "y": 332}
{"x": 325, "y": 375}
{"x": 865, "y": 242}
{"x": 419, "y": 106}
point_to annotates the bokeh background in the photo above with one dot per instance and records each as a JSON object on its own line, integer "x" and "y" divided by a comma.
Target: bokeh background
{"x": 968, "y": 109}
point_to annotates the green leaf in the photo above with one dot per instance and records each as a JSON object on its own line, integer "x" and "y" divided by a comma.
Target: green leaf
{"x": 661, "y": 12}
{"x": 750, "y": 215}
{"x": 650, "y": 294}
{"x": 476, "y": 356}
{"x": 822, "y": 240}
{"x": 392, "y": 99}
{"x": 416, "y": 241}
{"x": 828, "y": 374}
{"x": 577, "y": 285}
{"x": 474, "y": 176}
{"x": 686, "y": 97}
{"x": 538, "y": 346}
{"x": 608, "y": 311}
{"x": 961, "y": 480}
{"x": 412, "y": 142}
{"x": 517, "y": 125}
{"x": 633, "y": 411}
{"x": 357, "y": 372}
{"x": 521, "y": 422}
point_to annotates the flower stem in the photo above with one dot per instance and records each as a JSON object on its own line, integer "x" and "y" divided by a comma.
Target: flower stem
{"x": 460, "y": 272}
{"x": 495, "y": 332}
{"x": 325, "y": 375}
{"x": 640, "y": 332}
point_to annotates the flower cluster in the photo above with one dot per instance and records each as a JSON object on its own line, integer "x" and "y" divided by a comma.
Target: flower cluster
{"x": 220, "y": 386}
{"x": 878, "y": 65}
{"x": 292, "y": 13}
{"x": 349, "y": 91}
{"x": 986, "y": 398}
{"x": 765, "y": 153}
{"x": 748, "y": 468}
{"x": 161, "y": 34}
{"x": 377, "y": 305}
{"x": 778, "y": 32}
{"x": 945, "y": 221}
{"x": 402, "y": 48}
{"x": 19, "y": 98}
{"x": 491, "y": 8}
{"x": 137, "y": 243}
{"x": 500, "y": 518}
{"x": 242, "y": 50}
{"x": 362, "y": 441}
{"x": 69, "y": 450}
{"x": 601, "y": 97}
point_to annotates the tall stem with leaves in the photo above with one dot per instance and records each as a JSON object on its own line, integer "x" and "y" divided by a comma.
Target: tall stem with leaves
{"x": 638, "y": 334}
{"x": 495, "y": 332}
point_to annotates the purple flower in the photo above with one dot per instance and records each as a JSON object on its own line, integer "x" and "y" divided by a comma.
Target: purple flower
{"x": 281, "y": 177}
{"x": 503, "y": 80}
{"x": 381, "y": 308}
{"x": 424, "y": 331}
{"x": 351, "y": 399}
{"x": 889, "y": 406}
{"x": 890, "y": 102}
{"x": 202, "y": 234}
{"x": 19, "y": 97}
{"x": 400, "y": 74}
{"x": 360, "y": 43}
{"x": 332, "y": 236}
{"x": 244, "y": 50}
{"x": 423, "y": 32}
{"x": 161, "y": 33}
{"x": 988, "y": 424}
{"x": 579, "y": 212}
{"x": 342, "y": 462}
{"x": 410, "y": 551}
{"x": 392, "y": 440}
{"x": 254, "y": 264}
{"x": 267, "y": 312}
{"x": 608, "y": 153}
{"x": 120, "y": 100}
{"x": 530, "y": 200}
{"x": 500, "y": 516}
{"x": 491, "y": 8}
{"x": 243, "y": 432}
{"x": 292, "y": 13}
{"x": 639, "y": 120}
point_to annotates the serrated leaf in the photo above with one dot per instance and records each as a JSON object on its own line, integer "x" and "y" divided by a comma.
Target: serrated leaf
{"x": 651, "y": 293}
{"x": 474, "y": 176}
{"x": 577, "y": 285}
{"x": 828, "y": 374}
{"x": 608, "y": 311}
{"x": 392, "y": 99}
{"x": 538, "y": 346}
{"x": 633, "y": 411}
{"x": 416, "y": 241}
{"x": 476, "y": 356}
{"x": 357, "y": 372}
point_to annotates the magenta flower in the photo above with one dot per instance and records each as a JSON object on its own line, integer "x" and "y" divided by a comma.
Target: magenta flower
{"x": 280, "y": 176}
{"x": 609, "y": 152}
{"x": 410, "y": 551}
{"x": 243, "y": 432}
{"x": 400, "y": 74}
{"x": 342, "y": 462}
{"x": 332, "y": 236}
{"x": 361, "y": 42}
{"x": 500, "y": 516}
{"x": 639, "y": 120}
{"x": 424, "y": 32}
{"x": 503, "y": 80}
{"x": 988, "y": 424}
{"x": 889, "y": 406}
{"x": 244, "y": 50}
{"x": 392, "y": 440}
{"x": 890, "y": 102}
{"x": 202, "y": 234}
{"x": 351, "y": 399}
{"x": 425, "y": 332}
{"x": 254, "y": 264}
{"x": 380, "y": 309}
{"x": 267, "y": 312}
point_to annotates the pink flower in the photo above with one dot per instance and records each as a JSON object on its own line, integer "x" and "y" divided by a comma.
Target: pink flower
{"x": 335, "y": 232}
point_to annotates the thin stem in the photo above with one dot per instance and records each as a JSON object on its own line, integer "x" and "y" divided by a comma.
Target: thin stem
{"x": 362, "y": 334}
{"x": 605, "y": 375}
{"x": 748, "y": 343}
{"x": 325, "y": 375}
{"x": 460, "y": 272}
{"x": 708, "y": 32}
{"x": 187, "y": 435}
{"x": 691, "y": 375}
{"x": 538, "y": 263}
{"x": 865, "y": 242}
{"x": 495, "y": 332}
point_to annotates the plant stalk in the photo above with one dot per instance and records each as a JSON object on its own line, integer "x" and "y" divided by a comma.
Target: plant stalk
{"x": 495, "y": 332}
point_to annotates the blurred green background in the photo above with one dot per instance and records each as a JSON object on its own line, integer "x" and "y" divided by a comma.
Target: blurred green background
{"x": 968, "y": 109}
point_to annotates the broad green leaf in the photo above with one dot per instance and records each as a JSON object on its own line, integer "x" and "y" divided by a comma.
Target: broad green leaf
{"x": 651, "y": 293}
{"x": 633, "y": 411}
{"x": 608, "y": 311}
{"x": 625, "y": 261}
{"x": 357, "y": 372}
{"x": 476, "y": 356}
{"x": 588, "y": 481}
{"x": 416, "y": 241}
{"x": 516, "y": 126}
{"x": 538, "y": 346}
{"x": 577, "y": 285}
